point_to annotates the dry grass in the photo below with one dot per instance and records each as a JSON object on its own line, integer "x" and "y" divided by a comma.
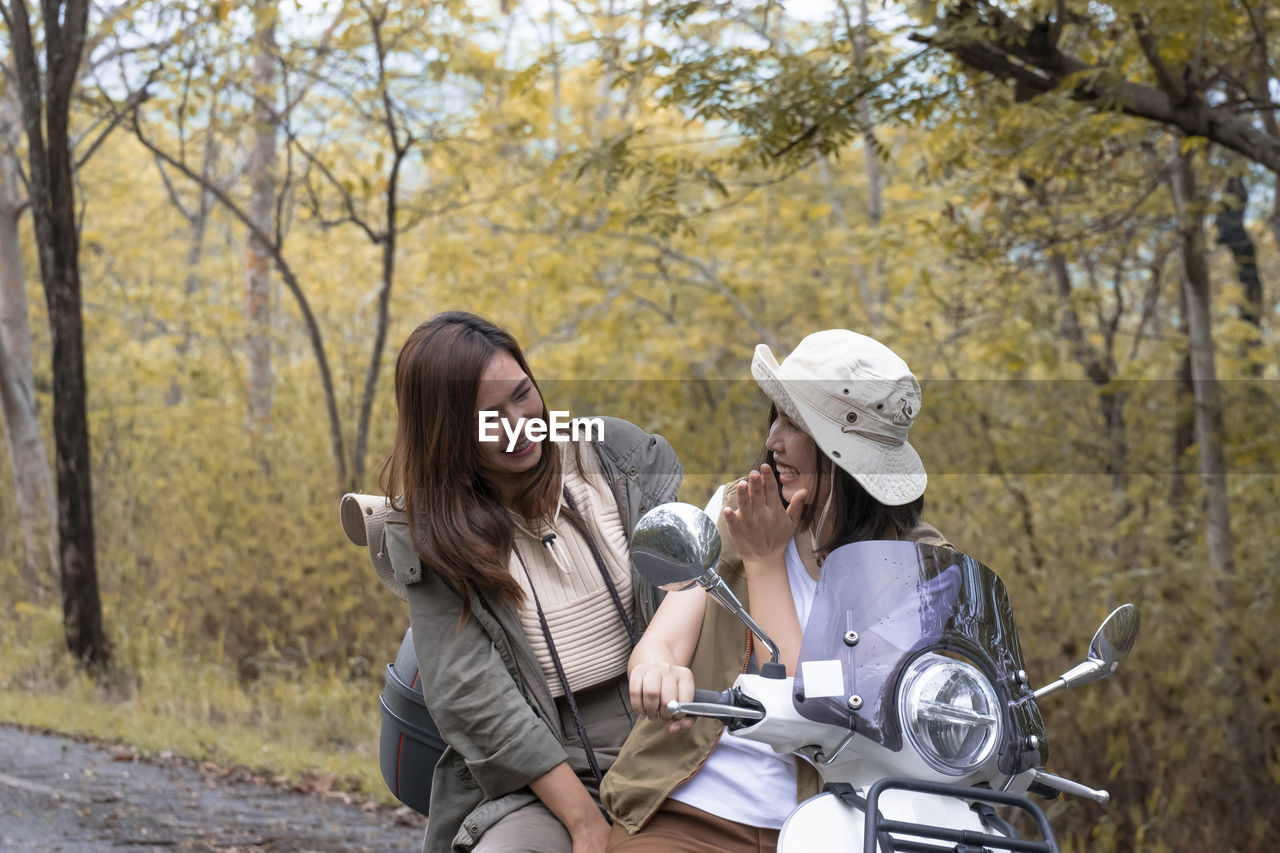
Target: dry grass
{"x": 291, "y": 724}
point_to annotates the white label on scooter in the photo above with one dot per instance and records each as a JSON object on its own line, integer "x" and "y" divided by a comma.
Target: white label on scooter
{"x": 822, "y": 678}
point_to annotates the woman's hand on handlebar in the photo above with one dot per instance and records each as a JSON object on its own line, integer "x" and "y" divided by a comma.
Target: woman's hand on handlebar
{"x": 655, "y": 684}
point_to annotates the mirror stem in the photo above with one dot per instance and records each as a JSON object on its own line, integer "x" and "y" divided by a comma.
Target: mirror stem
{"x": 1079, "y": 674}
{"x": 1051, "y": 687}
{"x": 721, "y": 593}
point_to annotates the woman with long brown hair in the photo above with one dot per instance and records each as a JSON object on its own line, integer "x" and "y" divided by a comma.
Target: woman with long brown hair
{"x": 521, "y": 597}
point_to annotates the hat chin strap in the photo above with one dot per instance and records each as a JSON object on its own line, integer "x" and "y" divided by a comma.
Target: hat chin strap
{"x": 822, "y": 518}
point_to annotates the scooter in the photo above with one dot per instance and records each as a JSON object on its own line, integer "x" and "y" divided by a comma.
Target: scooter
{"x": 910, "y": 696}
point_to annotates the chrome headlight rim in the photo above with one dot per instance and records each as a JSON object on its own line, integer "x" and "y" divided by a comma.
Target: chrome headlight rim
{"x": 923, "y": 673}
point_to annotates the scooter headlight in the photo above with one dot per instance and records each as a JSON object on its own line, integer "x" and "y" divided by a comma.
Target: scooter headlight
{"x": 950, "y": 713}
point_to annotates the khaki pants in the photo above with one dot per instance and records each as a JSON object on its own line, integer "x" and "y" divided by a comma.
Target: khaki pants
{"x": 532, "y": 829}
{"x": 679, "y": 828}
{"x": 607, "y": 718}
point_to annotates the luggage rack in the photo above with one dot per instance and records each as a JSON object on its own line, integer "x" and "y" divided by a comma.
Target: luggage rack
{"x": 878, "y": 829}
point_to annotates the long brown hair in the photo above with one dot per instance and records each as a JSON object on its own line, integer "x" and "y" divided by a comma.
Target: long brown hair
{"x": 856, "y": 514}
{"x": 459, "y": 524}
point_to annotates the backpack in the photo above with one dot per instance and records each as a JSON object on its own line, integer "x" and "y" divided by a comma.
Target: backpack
{"x": 409, "y": 744}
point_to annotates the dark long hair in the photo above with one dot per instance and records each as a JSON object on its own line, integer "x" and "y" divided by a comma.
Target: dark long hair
{"x": 858, "y": 516}
{"x": 458, "y": 522}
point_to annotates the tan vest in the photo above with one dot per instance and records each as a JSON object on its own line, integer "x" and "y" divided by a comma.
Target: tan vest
{"x": 653, "y": 761}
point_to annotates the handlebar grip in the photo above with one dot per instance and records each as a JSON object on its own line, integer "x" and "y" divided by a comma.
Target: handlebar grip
{"x": 720, "y": 697}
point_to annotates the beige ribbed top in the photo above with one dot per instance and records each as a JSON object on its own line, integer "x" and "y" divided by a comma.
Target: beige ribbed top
{"x": 589, "y": 635}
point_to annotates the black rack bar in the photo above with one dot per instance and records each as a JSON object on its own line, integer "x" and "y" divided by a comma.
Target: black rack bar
{"x": 963, "y": 839}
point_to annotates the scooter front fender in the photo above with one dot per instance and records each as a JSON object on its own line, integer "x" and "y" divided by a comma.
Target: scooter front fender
{"x": 826, "y": 824}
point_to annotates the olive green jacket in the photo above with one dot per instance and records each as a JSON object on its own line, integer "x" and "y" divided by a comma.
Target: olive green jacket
{"x": 653, "y": 761}
{"x": 481, "y": 680}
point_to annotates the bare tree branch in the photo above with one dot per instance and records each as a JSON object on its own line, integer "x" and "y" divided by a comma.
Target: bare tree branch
{"x": 287, "y": 275}
{"x": 134, "y": 100}
{"x": 1012, "y": 51}
{"x": 1169, "y": 82}
{"x": 709, "y": 275}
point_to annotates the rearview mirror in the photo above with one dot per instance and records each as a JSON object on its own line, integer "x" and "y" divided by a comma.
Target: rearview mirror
{"x": 1110, "y": 645}
{"x": 676, "y": 546}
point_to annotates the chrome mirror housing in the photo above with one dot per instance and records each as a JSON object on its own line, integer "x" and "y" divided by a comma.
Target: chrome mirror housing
{"x": 1110, "y": 645}
{"x": 676, "y": 546}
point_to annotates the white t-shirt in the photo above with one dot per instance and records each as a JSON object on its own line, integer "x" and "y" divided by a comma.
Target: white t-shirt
{"x": 718, "y": 787}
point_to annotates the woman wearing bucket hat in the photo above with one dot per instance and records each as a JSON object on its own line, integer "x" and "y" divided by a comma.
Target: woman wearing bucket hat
{"x": 512, "y": 555}
{"x": 837, "y": 468}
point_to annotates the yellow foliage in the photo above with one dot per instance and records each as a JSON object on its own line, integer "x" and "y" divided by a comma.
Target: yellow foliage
{"x": 639, "y": 262}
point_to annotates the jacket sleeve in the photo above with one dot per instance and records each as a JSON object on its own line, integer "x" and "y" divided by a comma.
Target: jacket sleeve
{"x": 643, "y": 471}
{"x": 477, "y": 705}
{"x": 646, "y": 465}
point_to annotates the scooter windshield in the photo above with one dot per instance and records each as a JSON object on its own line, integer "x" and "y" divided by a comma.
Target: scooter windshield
{"x": 878, "y": 605}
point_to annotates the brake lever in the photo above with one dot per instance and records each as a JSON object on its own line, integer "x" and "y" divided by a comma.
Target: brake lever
{"x": 1066, "y": 786}
{"x": 714, "y": 709}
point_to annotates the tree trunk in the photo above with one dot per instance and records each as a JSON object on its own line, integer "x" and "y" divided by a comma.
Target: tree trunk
{"x": 858, "y": 272}
{"x": 1259, "y": 14}
{"x": 873, "y": 283}
{"x": 262, "y": 182}
{"x": 1100, "y": 367}
{"x": 557, "y": 103}
{"x": 1240, "y": 735}
{"x": 29, "y": 461}
{"x": 1273, "y": 218}
{"x": 198, "y": 223}
{"x": 384, "y": 317}
{"x": 1232, "y": 233}
{"x": 400, "y": 141}
{"x": 1208, "y": 400}
{"x": 1184, "y": 433}
{"x": 870, "y": 150}
{"x": 53, "y": 207}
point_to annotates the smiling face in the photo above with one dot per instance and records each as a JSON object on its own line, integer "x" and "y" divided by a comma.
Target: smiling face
{"x": 795, "y": 460}
{"x": 505, "y": 388}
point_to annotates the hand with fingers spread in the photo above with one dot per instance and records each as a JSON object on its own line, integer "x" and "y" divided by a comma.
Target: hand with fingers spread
{"x": 761, "y": 526}
{"x": 655, "y": 684}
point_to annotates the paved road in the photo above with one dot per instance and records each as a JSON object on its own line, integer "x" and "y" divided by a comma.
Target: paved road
{"x": 58, "y": 794}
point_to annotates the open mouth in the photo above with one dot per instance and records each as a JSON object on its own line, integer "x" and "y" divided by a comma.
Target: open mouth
{"x": 786, "y": 474}
{"x": 521, "y": 449}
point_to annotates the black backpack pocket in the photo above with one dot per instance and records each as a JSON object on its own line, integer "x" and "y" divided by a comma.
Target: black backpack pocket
{"x": 409, "y": 744}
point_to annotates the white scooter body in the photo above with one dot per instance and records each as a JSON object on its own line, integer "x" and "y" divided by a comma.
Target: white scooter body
{"x": 826, "y": 824}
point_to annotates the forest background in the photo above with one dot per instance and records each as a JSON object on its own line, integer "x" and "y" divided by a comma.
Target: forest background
{"x": 1063, "y": 215}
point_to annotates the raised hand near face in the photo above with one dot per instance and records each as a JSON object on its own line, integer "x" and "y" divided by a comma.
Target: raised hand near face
{"x": 761, "y": 526}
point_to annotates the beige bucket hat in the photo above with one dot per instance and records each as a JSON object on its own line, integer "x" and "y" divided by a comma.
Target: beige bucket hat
{"x": 857, "y": 399}
{"x": 364, "y": 520}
